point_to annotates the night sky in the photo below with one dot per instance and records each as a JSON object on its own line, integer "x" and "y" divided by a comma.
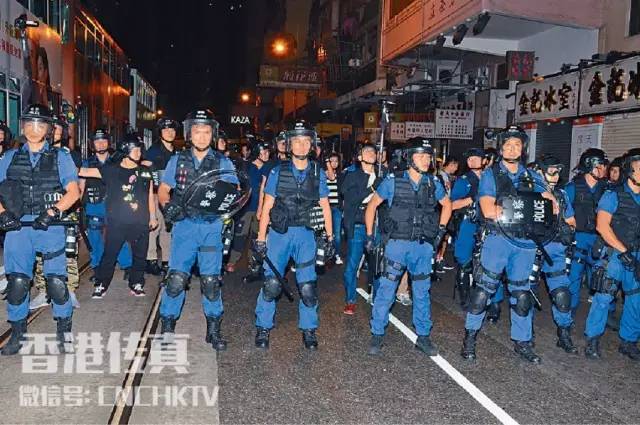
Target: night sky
{"x": 191, "y": 51}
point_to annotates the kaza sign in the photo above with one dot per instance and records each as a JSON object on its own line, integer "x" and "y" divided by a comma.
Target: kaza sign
{"x": 240, "y": 119}
{"x": 611, "y": 87}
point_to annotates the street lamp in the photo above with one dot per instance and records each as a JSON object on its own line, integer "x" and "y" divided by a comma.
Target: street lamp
{"x": 279, "y": 47}
{"x": 245, "y": 97}
{"x": 159, "y": 112}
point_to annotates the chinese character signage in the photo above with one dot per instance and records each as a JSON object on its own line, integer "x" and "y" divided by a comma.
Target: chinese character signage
{"x": 553, "y": 97}
{"x": 397, "y": 131}
{"x": 520, "y": 65}
{"x": 454, "y": 124}
{"x": 611, "y": 87}
{"x": 419, "y": 129}
{"x": 290, "y": 77}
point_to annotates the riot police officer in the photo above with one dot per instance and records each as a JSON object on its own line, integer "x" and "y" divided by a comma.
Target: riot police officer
{"x": 559, "y": 249}
{"x": 584, "y": 193}
{"x": 60, "y": 140}
{"x": 44, "y": 183}
{"x": 509, "y": 246}
{"x": 293, "y": 189}
{"x": 412, "y": 230}
{"x": 93, "y": 192}
{"x": 618, "y": 223}
{"x": 159, "y": 154}
{"x": 197, "y": 232}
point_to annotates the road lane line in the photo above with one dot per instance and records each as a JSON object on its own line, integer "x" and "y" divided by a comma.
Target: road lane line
{"x": 453, "y": 373}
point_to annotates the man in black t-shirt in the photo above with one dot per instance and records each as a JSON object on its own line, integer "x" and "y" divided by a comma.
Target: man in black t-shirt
{"x": 130, "y": 214}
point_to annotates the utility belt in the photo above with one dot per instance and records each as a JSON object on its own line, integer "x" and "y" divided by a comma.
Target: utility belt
{"x": 512, "y": 231}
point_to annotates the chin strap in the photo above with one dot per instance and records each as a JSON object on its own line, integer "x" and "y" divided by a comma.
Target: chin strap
{"x": 201, "y": 150}
{"x": 367, "y": 162}
{"x": 102, "y": 152}
{"x": 512, "y": 161}
{"x": 301, "y": 157}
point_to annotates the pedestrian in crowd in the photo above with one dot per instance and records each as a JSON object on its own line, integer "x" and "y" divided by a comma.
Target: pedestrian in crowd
{"x": 131, "y": 211}
{"x": 332, "y": 168}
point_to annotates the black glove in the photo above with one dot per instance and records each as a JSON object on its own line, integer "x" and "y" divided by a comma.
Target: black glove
{"x": 259, "y": 250}
{"x": 442, "y": 230}
{"x": 42, "y": 221}
{"x": 173, "y": 213}
{"x": 627, "y": 261}
{"x": 9, "y": 222}
{"x": 370, "y": 245}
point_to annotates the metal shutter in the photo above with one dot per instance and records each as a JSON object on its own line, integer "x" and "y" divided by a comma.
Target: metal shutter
{"x": 554, "y": 138}
{"x": 620, "y": 134}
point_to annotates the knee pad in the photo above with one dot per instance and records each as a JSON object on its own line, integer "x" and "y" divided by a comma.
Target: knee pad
{"x": 176, "y": 283}
{"x": 309, "y": 293}
{"x": 271, "y": 288}
{"x": 478, "y": 300}
{"x": 17, "y": 288}
{"x": 211, "y": 287}
{"x": 57, "y": 289}
{"x": 523, "y": 304}
{"x": 561, "y": 298}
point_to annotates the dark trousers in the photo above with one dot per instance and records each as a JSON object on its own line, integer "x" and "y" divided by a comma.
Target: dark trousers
{"x": 117, "y": 234}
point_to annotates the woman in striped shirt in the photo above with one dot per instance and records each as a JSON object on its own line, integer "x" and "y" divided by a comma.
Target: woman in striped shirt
{"x": 332, "y": 168}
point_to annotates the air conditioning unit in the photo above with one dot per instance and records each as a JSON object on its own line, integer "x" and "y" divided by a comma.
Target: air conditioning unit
{"x": 415, "y": 77}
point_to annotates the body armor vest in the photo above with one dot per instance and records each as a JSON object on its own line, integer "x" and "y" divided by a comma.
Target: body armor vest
{"x": 585, "y": 204}
{"x": 510, "y": 197}
{"x": 413, "y": 214}
{"x": 295, "y": 200}
{"x": 626, "y": 220}
{"x": 95, "y": 190}
{"x": 470, "y": 212}
{"x": 41, "y": 187}
{"x": 186, "y": 173}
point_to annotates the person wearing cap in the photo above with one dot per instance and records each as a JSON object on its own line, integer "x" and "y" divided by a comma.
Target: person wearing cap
{"x": 412, "y": 230}
{"x": 60, "y": 140}
{"x": 159, "y": 154}
{"x": 584, "y": 192}
{"x": 131, "y": 211}
{"x": 508, "y": 249}
{"x": 465, "y": 204}
{"x": 293, "y": 190}
{"x": 618, "y": 224}
{"x": 197, "y": 232}
{"x": 44, "y": 180}
{"x": 93, "y": 192}
{"x": 357, "y": 189}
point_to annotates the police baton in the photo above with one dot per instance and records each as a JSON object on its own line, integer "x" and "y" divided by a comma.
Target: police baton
{"x": 283, "y": 281}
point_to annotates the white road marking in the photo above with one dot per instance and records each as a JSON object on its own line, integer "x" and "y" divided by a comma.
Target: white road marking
{"x": 459, "y": 378}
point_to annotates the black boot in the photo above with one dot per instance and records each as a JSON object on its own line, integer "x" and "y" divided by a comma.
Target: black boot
{"x": 463, "y": 287}
{"x": 469, "y": 344}
{"x": 213, "y": 334}
{"x": 564, "y": 340}
{"x": 493, "y": 313}
{"x": 629, "y": 349}
{"x": 424, "y": 344}
{"x": 63, "y": 327}
{"x": 262, "y": 338}
{"x": 592, "y": 350}
{"x": 125, "y": 277}
{"x": 153, "y": 268}
{"x": 375, "y": 345}
{"x": 310, "y": 339}
{"x": 613, "y": 322}
{"x": 168, "y": 328}
{"x": 524, "y": 349}
{"x": 18, "y": 329}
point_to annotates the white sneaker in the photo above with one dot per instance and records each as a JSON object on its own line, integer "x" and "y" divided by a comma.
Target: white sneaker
{"x": 404, "y": 299}
{"x": 98, "y": 292}
{"x": 74, "y": 300}
{"x": 137, "y": 290}
{"x": 3, "y": 285}
{"x": 39, "y": 301}
{"x": 339, "y": 260}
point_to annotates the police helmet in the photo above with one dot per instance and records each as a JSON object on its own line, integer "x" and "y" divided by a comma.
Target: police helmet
{"x": 129, "y": 143}
{"x": 37, "y": 112}
{"x": 591, "y": 158}
{"x": 513, "y": 132}
{"x": 258, "y": 147}
{"x": 631, "y": 156}
{"x": 61, "y": 121}
{"x": 474, "y": 152}
{"x": 417, "y": 145}
{"x": 549, "y": 161}
{"x": 200, "y": 116}
{"x": 101, "y": 134}
{"x": 163, "y": 123}
{"x": 301, "y": 128}
{"x": 491, "y": 154}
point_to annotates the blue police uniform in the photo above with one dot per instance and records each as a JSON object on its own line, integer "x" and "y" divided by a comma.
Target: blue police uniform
{"x": 556, "y": 273}
{"x": 20, "y": 246}
{"x": 403, "y": 251}
{"x": 584, "y": 200}
{"x": 194, "y": 236}
{"x": 465, "y": 187}
{"x": 624, "y": 205}
{"x": 96, "y": 211}
{"x": 294, "y": 240}
{"x": 515, "y": 257}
